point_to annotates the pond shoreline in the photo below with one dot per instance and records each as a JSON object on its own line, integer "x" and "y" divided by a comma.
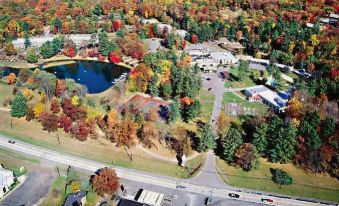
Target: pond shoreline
{"x": 55, "y": 61}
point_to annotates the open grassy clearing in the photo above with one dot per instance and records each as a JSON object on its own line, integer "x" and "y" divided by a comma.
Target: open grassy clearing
{"x": 5, "y": 93}
{"x": 99, "y": 150}
{"x": 4, "y": 152}
{"x": 18, "y": 65}
{"x": 232, "y": 82}
{"x": 305, "y": 184}
{"x": 207, "y": 101}
{"x": 230, "y": 97}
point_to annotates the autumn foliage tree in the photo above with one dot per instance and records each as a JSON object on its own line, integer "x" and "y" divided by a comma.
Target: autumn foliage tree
{"x": 125, "y": 133}
{"x": 70, "y": 52}
{"x": 49, "y": 121}
{"x": 11, "y": 78}
{"x": 114, "y": 58}
{"x": 149, "y": 134}
{"x": 80, "y": 130}
{"x": 245, "y": 156}
{"x": 105, "y": 182}
{"x": 65, "y": 123}
{"x": 60, "y": 87}
{"x": 55, "y": 105}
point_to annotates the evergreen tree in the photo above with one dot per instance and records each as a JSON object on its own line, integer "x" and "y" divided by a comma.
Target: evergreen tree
{"x": 104, "y": 44}
{"x": 19, "y": 105}
{"x": 31, "y": 56}
{"x": 328, "y": 127}
{"x": 206, "y": 139}
{"x": 166, "y": 90}
{"x": 190, "y": 111}
{"x": 284, "y": 146}
{"x": 153, "y": 88}
{"x": 47, "y": 50}
{"x": 174, "y": 111}
{"x": 230, "y": 143}
{"x": 312, "y": 139}
{"x": 27, "y": 42}
{"x": 260, "y": 138}
{"x": 281, "y": 177}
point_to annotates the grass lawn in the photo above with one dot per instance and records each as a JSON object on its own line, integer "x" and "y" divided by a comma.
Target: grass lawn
{"x": 18, "y": 65}
{"x": 56, "y": 193}
{"x": 5, "y": 92}
{"x": 230, "y": 97}
{"x": 4, "y": 152}
{"x": 195, "y": 165}
{"x": 305, "y": 184}
{"x": 207, "y": 101}
{"x": 232, "y": 82}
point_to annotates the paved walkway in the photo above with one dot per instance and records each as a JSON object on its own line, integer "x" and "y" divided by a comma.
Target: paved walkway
{"x": 208, "y": 175}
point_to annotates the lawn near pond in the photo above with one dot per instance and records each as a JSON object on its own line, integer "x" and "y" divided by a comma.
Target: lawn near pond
{"x": 306, "y": 184}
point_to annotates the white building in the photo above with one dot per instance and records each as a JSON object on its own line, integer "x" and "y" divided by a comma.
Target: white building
{"x": 206, "y": 64}
{"x": 182, "y": 33}
{"x": 149, "y": 21}
{"x": 150, "y": 198}
{"x": 38, "y": 41}
{"x": 266, "y": 96}
{"x": 161, "y": 28}
{"x": 224, "y": 58}
{"x": 6, "y": 180}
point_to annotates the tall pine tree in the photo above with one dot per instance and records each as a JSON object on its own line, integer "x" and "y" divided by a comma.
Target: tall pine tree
{"x": 260, "y": 138}
{"x": 230, "y": 143}
{"x": 206, "y": 139}
{"x": 19, "y": 105}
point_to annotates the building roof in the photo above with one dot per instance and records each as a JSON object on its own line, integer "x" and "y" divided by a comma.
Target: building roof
{"x": 149, "y": 197}
{"x": 273, "y": 98}
{"x": 74, "y": 198}
{"x": 181, "y": 32}
{"x": 257, "y": 89}
{"x": 223, "y": 56}
{"x": 149, "y": 21}
{"x": 6, "y": 177}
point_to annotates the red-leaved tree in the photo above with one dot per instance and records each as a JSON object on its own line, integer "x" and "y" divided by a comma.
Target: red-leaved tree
{"x": 114, "y": 58}
{"x": 49, "y": 121}
{"x": 55, "y": 105}
{"x": 65, "y": 123}
{"x": 80, "y": 130}
{"x": 194, "y": 38}
{"x": 105, "y": 182}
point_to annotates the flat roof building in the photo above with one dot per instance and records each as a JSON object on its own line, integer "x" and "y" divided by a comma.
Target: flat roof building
{"x": 224, "y": 58}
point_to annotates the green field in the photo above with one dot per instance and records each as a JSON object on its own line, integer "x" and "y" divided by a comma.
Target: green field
{"x": 232, "y": 82}
{"x": 307, "y": 184}
{"x": 5, "y": 152}
{"x": 207, "y": 101}
{"x": 230, "y": 97}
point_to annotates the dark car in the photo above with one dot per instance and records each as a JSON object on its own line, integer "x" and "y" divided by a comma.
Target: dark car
{"x": 11, "y": 141}
{"x": 233, "y": 195}
{"x": 209, "y": 89}
{"x": 181, "y": 187}
{"x": 208, "y": 78}
{"x": 266, "y": 200}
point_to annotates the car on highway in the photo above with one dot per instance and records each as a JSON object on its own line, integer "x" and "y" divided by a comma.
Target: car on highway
{"x": 208, "y": 79}
{"x": 233, "y": 195}
{"x": 180, "y": 187}
{"x": 266, "y": 200}
{"x": 209, "y": 89}
{"x": 11, "y": 141}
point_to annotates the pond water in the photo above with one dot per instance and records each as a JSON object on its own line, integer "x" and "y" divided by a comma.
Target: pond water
{"x": 96, "y": 76}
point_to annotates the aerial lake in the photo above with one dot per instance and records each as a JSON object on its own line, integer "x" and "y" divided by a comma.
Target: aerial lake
{"x": 96, "y": 76}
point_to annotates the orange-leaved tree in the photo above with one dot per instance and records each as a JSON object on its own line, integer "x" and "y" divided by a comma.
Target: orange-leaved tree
{"x": 105, "y": 182}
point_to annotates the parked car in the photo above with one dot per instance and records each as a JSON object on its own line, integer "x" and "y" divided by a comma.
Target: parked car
{"x": 266, "y": 200}
{"x": 233, "y": 195}
{"x": 208, "y": 78}
{"x": 209, "y": 89}
{"x": 208, "y": 201}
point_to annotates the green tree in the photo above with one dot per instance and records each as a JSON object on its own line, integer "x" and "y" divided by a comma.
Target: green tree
{"x": 166, "y": 90}
{"x": 47, "y": 50}
{"x": 72, "y": 175}
{"x": 174, "y": 111}
{"x": 206, "y": 138}
{"x": 312, "y": 139}
{"x": 230, "y": 143}
{"x": 284, "y": 144}
{"x": 260, "y": 138}
{"x": 190, "y": 111}
{"x": 31, "y": 56}
{"x": 281, "y": 177}
{"x": 153, "y": 88}
{"x": 105, "y": 46}
{"x": 27, "y": 42}
{"x": 243, "y": 69}
{"x": 19, "y": 105}
{"x": 328, "y": 127}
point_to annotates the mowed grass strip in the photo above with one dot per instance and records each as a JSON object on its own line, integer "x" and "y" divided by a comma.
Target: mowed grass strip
{"x": 56, "y": 193}
{"x": 306, "y": 184}
{"x": 4, "y": 152}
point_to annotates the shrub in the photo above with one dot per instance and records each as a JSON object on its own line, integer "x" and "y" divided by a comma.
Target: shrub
{"x": 281, "y": 177}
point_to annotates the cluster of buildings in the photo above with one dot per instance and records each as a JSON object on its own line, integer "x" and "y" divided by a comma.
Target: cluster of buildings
{"x": 277, "y": 101}
{"x": 209, "y": 57}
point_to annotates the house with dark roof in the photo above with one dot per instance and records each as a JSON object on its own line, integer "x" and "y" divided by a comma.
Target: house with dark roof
{"x": 76, "y": 199}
